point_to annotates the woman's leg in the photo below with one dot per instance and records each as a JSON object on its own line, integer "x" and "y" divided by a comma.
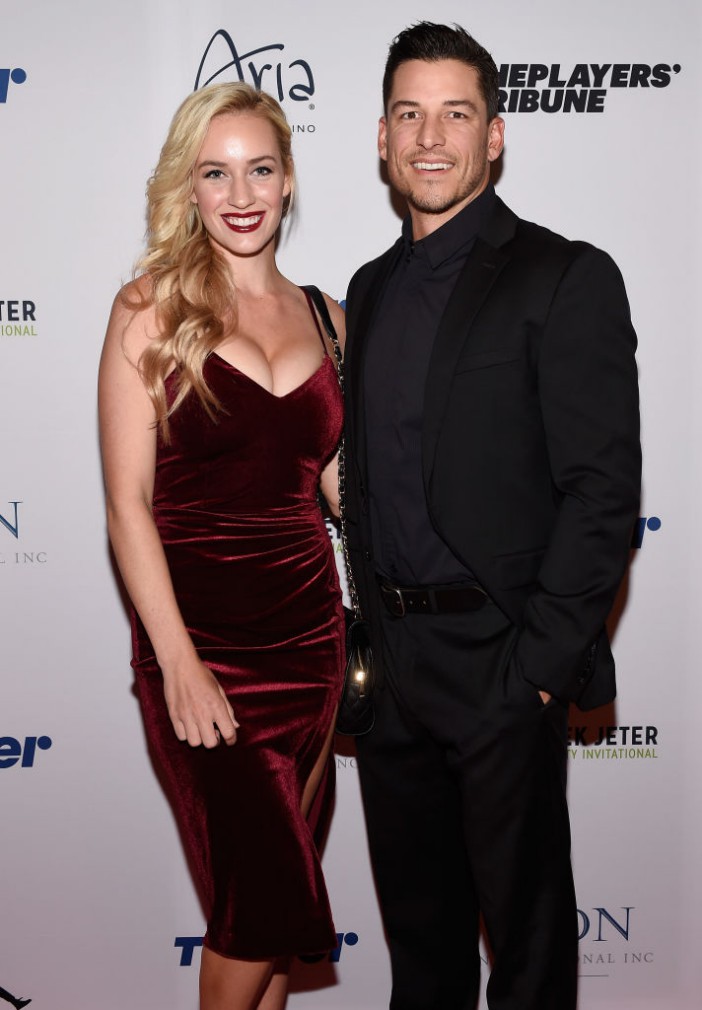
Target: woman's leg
{"x": 276, "y": 994}
{"x": 227, "y": 983}
{"x": 312, "y": 784}
{"x": 231, "y": 984}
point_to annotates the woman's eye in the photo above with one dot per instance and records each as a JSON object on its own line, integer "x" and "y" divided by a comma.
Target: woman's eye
{"x": 214, "y": 173}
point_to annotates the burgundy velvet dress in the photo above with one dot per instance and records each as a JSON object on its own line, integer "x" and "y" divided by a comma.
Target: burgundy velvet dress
{"x": 235, "y": 503}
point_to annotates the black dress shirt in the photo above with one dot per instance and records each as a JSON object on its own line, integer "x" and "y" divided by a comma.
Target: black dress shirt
{"x": 408, "y": 550}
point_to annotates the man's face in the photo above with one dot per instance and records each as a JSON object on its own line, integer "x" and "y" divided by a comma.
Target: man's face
{"x": 437, "y": 141}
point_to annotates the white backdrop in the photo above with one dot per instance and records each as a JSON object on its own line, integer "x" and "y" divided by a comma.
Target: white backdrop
{"x": 97, "y": 907}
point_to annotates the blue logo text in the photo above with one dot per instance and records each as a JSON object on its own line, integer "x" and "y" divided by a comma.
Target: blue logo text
{"x": 8, "y": 76}
{"x": 189, "y": 944}
{"x": 11, "y": 750}
{"x": 642, "y": 524}
{"x": 12, "y": 526}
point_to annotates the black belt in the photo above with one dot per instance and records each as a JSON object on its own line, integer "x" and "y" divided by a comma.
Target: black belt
{"x": 401, "y": 600}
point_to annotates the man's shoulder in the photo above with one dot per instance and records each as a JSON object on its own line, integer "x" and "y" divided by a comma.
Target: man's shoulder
{"x": 542, "y": 246}
{"x": 543, "y": 260}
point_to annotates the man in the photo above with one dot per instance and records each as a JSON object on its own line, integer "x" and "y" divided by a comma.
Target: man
{"x": 493, "y": 471}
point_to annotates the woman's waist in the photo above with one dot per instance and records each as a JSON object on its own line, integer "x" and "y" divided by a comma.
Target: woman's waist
{"x": 228, "y": 509}
{"x": 225, "y": 520}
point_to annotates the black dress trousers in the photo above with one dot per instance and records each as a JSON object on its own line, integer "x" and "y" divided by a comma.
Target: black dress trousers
{"x": 463, "y": 780}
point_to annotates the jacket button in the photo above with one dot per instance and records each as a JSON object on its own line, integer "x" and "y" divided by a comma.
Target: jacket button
{"x": 367, "y": 555}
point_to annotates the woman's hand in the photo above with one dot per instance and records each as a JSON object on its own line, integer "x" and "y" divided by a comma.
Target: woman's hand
{"x": 198, "y": 706}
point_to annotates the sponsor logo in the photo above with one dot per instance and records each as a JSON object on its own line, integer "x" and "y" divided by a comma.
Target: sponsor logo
{"x": 601, "y": 925}
{"x": 10, "y": 526}
{"x": 334, "y": 535}
{"x": 18, "y": 317}
{"x": 613, "y": 743}
{"x": 583, "y": 87}
{"x": 642, "y": 524}
{"x": 343, "y": 940}
{"x": 9, "y": 77}
{"x": 22, "y": 752}
{"x": 189, "y": 944}
{"x": 338, "y": 547}
{"x": 267, "y": 67}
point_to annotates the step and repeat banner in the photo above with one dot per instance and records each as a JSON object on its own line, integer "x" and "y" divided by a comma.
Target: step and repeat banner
{"x": 602, "y": 104}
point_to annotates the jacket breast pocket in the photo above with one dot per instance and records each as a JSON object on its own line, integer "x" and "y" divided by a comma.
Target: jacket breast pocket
{"x": 487, "y": 359}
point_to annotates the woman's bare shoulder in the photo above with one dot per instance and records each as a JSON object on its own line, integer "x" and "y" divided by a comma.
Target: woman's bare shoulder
{"x": 133, "y": 318}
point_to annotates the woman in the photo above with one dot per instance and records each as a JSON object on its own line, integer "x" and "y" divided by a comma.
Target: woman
{"x": 220, "y": 414}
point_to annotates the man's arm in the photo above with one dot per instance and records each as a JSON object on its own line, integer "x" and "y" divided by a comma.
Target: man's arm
{"x": 588, "y": 393}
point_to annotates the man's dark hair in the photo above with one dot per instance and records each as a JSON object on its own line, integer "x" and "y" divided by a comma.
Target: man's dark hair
{"x": 430, "y": 42}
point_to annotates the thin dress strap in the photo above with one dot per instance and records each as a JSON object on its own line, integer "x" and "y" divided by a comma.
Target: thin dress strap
{"x": 318, "y": 298}
{"x": 313, "y": 311}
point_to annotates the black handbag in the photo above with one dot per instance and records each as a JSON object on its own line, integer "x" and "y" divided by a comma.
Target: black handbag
{"x": 355, "y": 716}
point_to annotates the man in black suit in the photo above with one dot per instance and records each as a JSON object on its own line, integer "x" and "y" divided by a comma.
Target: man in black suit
{"x": 493, "y": 470}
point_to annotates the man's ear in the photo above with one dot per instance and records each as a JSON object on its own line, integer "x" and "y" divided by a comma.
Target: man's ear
{"x": 383, "y": 138}
{"x": 496, "y": 138}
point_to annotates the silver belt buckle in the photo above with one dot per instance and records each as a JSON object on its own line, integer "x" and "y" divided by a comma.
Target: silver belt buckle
{"x": 400, "y": 599}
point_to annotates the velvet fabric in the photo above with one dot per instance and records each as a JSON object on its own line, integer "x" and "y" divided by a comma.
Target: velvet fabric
{"x": 235, "y": 503}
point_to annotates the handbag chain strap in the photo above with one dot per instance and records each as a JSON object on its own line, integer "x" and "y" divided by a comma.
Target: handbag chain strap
{"x": 321, "y": 306}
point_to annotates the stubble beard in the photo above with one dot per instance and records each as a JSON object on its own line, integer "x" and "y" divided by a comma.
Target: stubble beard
{"x": 430, "y": 200}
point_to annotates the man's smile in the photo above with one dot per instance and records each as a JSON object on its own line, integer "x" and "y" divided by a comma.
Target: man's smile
{"x": 431, "y": 166}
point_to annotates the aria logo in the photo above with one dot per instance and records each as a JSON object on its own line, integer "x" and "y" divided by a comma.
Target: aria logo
{"x": 13, "y": 1000}
{"x": 265, "y": 68}
{"x": 8, "y": 77}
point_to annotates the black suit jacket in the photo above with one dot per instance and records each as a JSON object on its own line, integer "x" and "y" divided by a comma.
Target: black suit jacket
{"x": 530, "y": 442}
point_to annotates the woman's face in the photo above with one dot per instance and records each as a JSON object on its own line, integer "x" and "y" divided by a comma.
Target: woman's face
{"x": 240, "y": 184}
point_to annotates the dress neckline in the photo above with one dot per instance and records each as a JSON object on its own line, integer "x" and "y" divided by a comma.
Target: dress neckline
{"x": 275, "y": 396}
{"x": 313, "y": 313}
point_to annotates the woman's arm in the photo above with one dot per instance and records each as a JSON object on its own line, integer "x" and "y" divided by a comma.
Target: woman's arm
{"x": 197, "y": 705}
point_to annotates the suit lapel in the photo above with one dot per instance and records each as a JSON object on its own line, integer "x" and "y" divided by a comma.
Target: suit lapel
{"x": 483, "y": 266}
{"x": 361, "y": 323}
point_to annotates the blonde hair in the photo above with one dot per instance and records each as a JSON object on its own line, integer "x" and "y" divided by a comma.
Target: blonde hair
{"x": 189, "y": 284}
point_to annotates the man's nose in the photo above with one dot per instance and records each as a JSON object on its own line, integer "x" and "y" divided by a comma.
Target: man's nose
{"x": 431, "y": 132}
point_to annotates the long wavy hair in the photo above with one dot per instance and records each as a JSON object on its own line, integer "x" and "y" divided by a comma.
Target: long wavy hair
{"x": 187, "y": 278}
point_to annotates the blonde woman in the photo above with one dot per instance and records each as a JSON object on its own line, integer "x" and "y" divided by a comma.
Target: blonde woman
{"x": 220, "y": 415}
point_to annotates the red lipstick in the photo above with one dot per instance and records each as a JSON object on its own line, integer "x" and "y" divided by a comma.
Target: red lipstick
{"x": 242, "y": 224}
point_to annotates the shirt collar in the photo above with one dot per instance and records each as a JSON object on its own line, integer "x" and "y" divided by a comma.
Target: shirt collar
{"x": 452, "y": 238}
